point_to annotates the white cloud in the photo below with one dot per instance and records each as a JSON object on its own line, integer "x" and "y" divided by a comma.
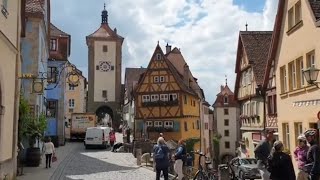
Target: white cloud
{"x": 206, "y": 32}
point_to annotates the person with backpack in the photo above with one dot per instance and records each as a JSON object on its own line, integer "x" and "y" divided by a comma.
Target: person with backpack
{"x": 161, "y": 157}
{"x": 180, "y": 158}
{"x": 313, "y": 155}
{"x": 262, "y": 151}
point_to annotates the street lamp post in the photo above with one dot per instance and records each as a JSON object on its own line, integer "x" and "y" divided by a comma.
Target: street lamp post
{"x": 311, "y": 75}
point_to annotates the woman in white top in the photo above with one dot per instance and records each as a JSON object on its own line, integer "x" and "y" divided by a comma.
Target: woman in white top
{"x": 48, "y": 149}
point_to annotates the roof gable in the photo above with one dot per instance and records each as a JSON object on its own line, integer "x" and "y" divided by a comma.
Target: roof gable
{"x": 255, "y": 45}
{"x": 177, "y": 60}
{"x": 54, "y": 31}
{"x": 160, "y": 61}
{"x": 225, "y": 92}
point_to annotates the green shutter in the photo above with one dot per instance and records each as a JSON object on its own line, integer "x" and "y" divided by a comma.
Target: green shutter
{"x": 176, "y": 126}
{"x": 139, "y": 125}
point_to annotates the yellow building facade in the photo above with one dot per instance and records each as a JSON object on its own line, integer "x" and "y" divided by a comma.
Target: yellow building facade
{"x": 76, "y": 98}
{"x": 296, "y": 48}
{"x": 10, "y": 70}
{"x": 165, "y": 102}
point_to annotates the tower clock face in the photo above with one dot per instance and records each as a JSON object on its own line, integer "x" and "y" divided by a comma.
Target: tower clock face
{"x": 104, "y": 66}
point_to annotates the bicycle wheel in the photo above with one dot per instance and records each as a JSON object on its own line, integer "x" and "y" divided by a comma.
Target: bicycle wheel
{"x": 199, "y": 176}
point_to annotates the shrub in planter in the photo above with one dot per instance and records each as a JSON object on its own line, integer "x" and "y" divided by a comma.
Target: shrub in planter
{"x": 33, "y": 129}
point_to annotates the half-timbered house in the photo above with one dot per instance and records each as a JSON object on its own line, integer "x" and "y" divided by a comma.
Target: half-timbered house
{"x": 165, "y": 101}
{"x": 250, "y": 68}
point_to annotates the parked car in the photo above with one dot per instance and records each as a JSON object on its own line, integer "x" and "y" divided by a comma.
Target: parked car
{"x": 244, "y": 168}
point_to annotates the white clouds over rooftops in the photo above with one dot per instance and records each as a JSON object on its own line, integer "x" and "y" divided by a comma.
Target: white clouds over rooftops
{"x": 206, "y": 31}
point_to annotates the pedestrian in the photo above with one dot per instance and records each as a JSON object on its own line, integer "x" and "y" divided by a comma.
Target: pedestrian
{"x": 180, "y": 157}
{"x": 161, "y": 156}
{"x": 300, "y": 155}
{"x": 128, "y": 134}
{"x": 313, "y": 155}
{"x": 280, "y": 164}
{"x": 262, "y": 151}
{"x": 49, "y": 150}
{"x": 112, "y": 137}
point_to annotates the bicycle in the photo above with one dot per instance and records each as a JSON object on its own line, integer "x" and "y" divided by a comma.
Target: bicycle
{"x": 202, "y": 173}
{"x": 187, "y": 173}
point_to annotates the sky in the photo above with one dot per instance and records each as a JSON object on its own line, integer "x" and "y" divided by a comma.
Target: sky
{"x": 206, "y": 31}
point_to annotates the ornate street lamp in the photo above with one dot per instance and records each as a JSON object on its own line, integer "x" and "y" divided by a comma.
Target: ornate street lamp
{"x": 311, "y": 75}
{"x": 72, "y": 77}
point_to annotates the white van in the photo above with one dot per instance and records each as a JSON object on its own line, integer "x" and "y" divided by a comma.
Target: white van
{"x": 97, "y": 136}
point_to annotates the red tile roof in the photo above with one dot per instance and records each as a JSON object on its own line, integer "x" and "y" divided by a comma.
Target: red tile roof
{"x": 225, "y": 91}
{"x": 35, "y": 6}
{"x": 54, "y": 31}
{"x": 256, "y": 45}
{"x": 315, "y": 6}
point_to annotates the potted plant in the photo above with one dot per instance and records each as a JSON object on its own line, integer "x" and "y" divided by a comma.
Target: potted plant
{"x": 32, "y": 128}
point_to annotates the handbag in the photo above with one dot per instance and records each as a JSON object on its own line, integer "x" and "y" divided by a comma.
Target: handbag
{"x": 54, "y": 158}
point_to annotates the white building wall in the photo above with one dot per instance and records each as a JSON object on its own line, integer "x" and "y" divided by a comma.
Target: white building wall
{"x": 232, "y": 128}
{"x": 104, "y": 80}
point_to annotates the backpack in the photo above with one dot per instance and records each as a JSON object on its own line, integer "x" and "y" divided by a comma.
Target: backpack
{"x": 159, "y": 154}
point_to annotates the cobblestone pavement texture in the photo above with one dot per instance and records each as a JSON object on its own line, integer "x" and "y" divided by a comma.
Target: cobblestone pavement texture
{"x": 74, "y": 162}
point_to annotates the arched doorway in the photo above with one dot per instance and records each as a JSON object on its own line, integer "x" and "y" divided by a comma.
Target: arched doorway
{"x": 105, "y": 116}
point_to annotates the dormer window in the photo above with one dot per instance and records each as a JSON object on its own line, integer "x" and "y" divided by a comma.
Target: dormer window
{"x": 158, "y": 56}
{"x": 225, "y": 99}
{"x": 53, "y": 45}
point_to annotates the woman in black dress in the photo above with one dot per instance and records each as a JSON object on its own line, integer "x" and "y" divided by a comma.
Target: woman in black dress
{"x": 280, "y": 164}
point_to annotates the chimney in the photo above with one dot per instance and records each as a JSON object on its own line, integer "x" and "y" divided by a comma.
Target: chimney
{"x": 186, "y": 74}
{"x": 168, "y": 48}
{"x": 221, "y": 88}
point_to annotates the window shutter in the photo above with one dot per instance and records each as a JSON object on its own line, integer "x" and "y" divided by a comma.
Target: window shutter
{"x": 176, "y": 126}
{"x": 140, "y": 125}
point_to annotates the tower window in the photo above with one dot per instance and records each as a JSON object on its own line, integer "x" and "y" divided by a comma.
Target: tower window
{"x": 105, "y": 48}
{"x": 53, "y": 44}
{"x": 158, "y": 56}
{"x": 226, "y": 111}
{"x": 104, "y": 93}
{"x": 225, "y": 99}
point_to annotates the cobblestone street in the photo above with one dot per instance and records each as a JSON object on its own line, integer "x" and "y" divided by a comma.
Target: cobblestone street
{"x": 74, "y": 162}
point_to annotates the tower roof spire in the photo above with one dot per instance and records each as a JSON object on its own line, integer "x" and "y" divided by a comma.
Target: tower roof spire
{"x": 104, "y": 15}
{"x": 226, "y": 80}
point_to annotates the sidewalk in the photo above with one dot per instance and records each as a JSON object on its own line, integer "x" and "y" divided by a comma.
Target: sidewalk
{"x": 34, "y": 173}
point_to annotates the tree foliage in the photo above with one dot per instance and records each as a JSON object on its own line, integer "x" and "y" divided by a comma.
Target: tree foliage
{"x": 190, "y": 142}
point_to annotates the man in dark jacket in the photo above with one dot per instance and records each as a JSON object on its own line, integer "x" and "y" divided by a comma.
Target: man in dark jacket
{"x": 313, "y": 155}
{"x": 161, "y": 157}
{"x": 262, "y": 151}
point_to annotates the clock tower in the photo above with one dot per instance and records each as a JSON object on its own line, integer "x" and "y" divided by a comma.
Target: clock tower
{"x": 104, "y": 71}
